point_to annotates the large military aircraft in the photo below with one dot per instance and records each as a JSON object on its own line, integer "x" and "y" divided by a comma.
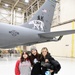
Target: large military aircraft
{"x": 36, "y": 30}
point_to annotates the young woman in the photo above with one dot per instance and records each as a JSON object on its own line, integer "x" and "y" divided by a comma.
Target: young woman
{"x": 48, "y": 63}
{"x": 23, "y": 66}
{"x": 35, "y": 61}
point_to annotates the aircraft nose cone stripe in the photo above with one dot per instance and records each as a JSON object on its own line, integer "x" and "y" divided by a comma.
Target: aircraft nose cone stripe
{"x": 14, "y": 33}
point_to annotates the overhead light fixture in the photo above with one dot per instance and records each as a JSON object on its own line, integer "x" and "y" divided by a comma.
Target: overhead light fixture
{"x": 27, "y": 1}
{"x": 19, "y": 9}
{"x": 6, "y": 5}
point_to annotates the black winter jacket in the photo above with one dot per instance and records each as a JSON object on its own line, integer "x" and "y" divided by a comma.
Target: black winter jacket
{"x": 36, "y": 67}
{"x": 53, "y": 64}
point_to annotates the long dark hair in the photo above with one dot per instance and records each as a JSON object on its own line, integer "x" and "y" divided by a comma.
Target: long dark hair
{"x": 22, "y": 58}
{"x": 32, "y": 57}
{"x": 35, "y": 56}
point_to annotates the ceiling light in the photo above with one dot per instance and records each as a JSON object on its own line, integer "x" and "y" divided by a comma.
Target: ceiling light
{"x": 19, "y": 9}
{"x": 6, "y": 5}
{"x": 27, "y": 1}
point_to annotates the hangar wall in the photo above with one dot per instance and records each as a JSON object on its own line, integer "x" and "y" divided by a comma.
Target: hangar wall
{"x": 67, "y": 10}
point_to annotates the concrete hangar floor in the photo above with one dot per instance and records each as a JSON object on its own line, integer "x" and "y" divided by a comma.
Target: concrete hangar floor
{"x": 67, "y": 66}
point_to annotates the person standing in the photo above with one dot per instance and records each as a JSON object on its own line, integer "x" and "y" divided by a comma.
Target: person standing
{"x": 23, "y": 65}
{"x": 35, "y": 61}
{"x": 48, "y": 63}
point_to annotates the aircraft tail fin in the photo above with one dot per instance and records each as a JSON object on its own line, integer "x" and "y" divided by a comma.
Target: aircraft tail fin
{"x": 42, "y": 19}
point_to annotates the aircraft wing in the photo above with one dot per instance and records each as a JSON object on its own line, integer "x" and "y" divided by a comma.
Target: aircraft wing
{"x": 57, "y": 33}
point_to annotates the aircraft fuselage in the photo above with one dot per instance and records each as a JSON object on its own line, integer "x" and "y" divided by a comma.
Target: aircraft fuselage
{"x": 11, "y": 35}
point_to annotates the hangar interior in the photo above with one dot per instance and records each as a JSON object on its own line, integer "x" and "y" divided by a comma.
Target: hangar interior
{"x": 17, "y": 12}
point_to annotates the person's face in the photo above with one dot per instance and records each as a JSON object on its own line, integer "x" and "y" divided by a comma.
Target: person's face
{"x": 44, "y": 52}
{"x": 33, "y": 52}
{"x": 25, "y": 55}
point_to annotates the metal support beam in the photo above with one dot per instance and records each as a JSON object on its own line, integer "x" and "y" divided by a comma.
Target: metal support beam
{"x": 0, "y": 1}
{"x": 31, "y": 6}
{"x": 5, "y": 18}
{"x": 22, "y": 17}
{"x": 12, "y": 11}
{"x": 72, "y": 48}
{"x": 38, "y": 5}
{"x": 15, "y": 4}
{"x": 11, "y": 16}
{"x": 63, "y": 23}
{"x": 14, "y": 22}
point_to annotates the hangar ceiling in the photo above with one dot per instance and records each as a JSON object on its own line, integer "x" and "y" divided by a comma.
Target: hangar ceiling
{"x": 10, "y": 14}
{"x": 18, "y": 3}
{"x": 12, "y": 6}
